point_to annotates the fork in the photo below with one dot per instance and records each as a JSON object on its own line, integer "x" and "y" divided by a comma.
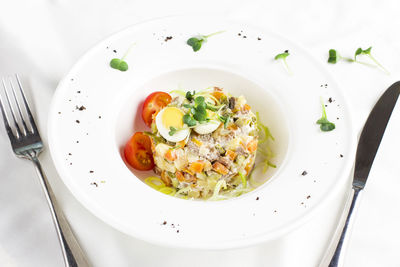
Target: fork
{"x": 26, "y": 143}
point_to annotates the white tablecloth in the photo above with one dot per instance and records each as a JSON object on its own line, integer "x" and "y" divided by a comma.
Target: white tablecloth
{"x": 41, "y": 40}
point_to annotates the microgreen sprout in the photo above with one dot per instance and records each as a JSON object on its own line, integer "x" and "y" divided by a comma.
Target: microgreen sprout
{"x": 197, "y": 41}
{"x": 189, "y": 95}
{"x": 283, "y": 56}
{"x": 188, "y": 120}
{"x": 367, "y": 52}
{"x": 172, "y": 131}
{"x": 334, "y": 57}
{"x": 120, "y": 63}
{"x": 325, "y": 125}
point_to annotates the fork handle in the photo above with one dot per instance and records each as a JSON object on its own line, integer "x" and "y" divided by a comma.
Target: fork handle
{"x": 334, "y": 256}
{"x": 72, "y": 252}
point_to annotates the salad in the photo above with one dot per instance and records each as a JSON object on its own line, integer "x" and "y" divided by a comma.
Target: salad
{"x": 202, "y": 145}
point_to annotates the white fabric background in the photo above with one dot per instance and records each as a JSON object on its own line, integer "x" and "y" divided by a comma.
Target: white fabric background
{"x": 41, "y": 40}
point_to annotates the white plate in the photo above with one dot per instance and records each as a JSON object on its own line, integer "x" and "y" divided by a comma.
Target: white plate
{"x": 88, "y": 154}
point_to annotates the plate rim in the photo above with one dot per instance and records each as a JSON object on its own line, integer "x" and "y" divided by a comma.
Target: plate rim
{"x": 239, "y": 243}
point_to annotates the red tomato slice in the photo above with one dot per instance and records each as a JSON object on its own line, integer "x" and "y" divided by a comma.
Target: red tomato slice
{"x": 153, "y": 104}
{"x": 138, "y": 152}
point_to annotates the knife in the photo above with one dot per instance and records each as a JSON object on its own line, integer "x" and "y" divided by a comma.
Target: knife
{"x": 368, "y": 145}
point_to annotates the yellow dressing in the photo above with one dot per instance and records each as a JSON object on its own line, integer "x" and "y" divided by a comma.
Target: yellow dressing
{"x": 172, "y": 117}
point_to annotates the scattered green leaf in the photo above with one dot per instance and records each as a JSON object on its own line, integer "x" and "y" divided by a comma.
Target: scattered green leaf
{"x": 188, "y": 120}
{"x": 334, "y": 57}
{"x": 325, "y": 124}
{"x": 172, "y": 131}
{"x": 197, "y": 42}
{"x": 189, "y": 95}
{"x": 200, "y": 113}
{"x": 118, "y": 64}
{"x": 367, "y": 52}
{"x": 283, "y": 57}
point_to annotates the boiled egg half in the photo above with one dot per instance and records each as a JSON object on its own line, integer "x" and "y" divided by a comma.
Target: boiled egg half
{"x": 207, "y": 127}
{"x": 171, "y": 117}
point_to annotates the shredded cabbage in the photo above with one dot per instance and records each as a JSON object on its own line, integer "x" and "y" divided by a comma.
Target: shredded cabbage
{"x": 244, "y": 181}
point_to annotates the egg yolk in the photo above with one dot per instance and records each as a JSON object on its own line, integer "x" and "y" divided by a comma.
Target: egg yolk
{"x": 172, "y": 117}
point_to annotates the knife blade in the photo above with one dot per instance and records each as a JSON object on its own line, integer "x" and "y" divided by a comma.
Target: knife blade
{"x": 372, "y": 134}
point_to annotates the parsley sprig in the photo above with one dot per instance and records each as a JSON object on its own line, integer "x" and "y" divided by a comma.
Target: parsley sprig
{"x": 197, "y": 41}
{"x": 325, "y": 124}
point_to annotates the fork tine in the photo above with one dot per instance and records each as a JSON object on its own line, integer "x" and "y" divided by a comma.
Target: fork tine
{"x": 19, "y": 134}
{"x": 6, "y": 123}
{"x": 28, "y": 110}
{"x": 25, "y": 128}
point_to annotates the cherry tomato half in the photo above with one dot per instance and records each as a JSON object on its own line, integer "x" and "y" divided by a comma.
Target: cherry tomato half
{"x": 153, "y": 104}
{"x": 138, "y": 152}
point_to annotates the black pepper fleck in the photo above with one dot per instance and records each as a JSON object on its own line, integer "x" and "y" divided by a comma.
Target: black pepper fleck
{"x": 164, "y": 223}
{"x": 77, "y": 142}
{"x": 78, "y": 92}
{"x": 115, "y": 51}
{"x": 95, "y": 184}
{"x": 99, "y": 117}
{"x": 239, "y": 34}
{"x": 244, "y": 36}
{"x": 77, "y": 121}
{"x": 257, "y": 198}
{"x": 91, "y": 171}
{"x": 341, "y": 155}
{"x": 59, "y": 112}
{"x": 69, "y": 154}
{"x": 177, "y": 231}
{"x": 308, "y": 197}
{"x": 304, "y": 173}
{"x": 286, "y": 51}
{"x": 167, "y": 38}
{"x": 330, "y": 100}
{"x": 80, "y": 108}
{"x": 258, "y": 38}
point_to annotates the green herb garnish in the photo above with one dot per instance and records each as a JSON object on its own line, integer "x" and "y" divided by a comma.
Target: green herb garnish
{"x": 325, "y": 125}
{"x": 196, "y": 42}
{"x": 200, "y": 113}
{"x": 188, "y": 120}
{"x": 334, "y": 57}
{"x": 224, "y": 119}
{"x": 172, "y": 131}
{"x": 189, "y": 95}
{"x": 120, "y": 63}
{"x": 367, "y": 52}
{"x": 283, "y": 56}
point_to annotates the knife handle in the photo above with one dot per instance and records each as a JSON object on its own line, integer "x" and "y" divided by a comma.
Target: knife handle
{"x": 334, "y": 256}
